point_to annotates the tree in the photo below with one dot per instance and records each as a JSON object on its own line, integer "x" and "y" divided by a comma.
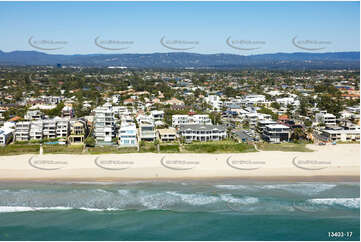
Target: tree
{"x": 55, "y": 111}
{"x": 215, "y": 117}
{"x": 307, "y": 123}
{"x": 90, "y": 141}
{"x": 275, "y": 105}
{"x": 331, "y": 105}
{"x": 268, "y": 111}
{"x": 298, "y": 134}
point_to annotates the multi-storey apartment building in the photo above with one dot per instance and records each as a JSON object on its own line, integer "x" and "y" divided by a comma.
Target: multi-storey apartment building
{"x": 198, "y": 132}
{"x": 62, "y": 127}
{"x": 178, "y": 120}
{"x": 36, "y": 130}
{"x": 104, "y": 130}
{"x": 49, "y": 129}
{"x": 276, "y": 133}
{"x": 22, "y": 131}
{"x": 127, "y": 134}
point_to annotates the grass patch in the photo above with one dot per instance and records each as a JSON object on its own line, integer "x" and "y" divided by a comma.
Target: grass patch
{"x": 111, "y": 150}
{"x": 348, "y": 142}
{"x": 148, "y": 147}
{"x": 172, "y": 148}
{"x": 62, "y": 149}
{"x": 219, "y": 147}
{"x": 19, "y": 149}
{"x": 287, "y": 147}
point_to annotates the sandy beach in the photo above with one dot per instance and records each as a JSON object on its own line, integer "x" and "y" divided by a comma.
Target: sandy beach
{"x": 331, "y": 162}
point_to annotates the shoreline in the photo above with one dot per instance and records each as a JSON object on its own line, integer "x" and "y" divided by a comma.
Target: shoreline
{"x": 115, "y": 180}
{"x": 326, "y": 163}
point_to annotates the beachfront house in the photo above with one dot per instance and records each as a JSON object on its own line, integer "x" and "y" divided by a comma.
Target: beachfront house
{"x": 343, "y": 134}
{"x": 147, "y": 131}
{"x": 62, "y": 127}
{"x": 36, "y": 130}
{"x": 261, "y": 125}
{"x": 198, "y": 132}
{"x": 6, "y": 135}
{"x": 77, "y": 132}
{"x": 167, "y": 135}
{"x": 49, "y": 129}
{"x": 104, "y": 124}
{"x": 276, "y": 133}
{"x": 127, "y": 134}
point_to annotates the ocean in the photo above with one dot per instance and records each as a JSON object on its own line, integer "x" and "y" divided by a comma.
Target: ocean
{"x": 180, "y": 210}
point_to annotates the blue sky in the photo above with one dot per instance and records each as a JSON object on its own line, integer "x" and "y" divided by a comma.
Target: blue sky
{"x": 267, "y": 26}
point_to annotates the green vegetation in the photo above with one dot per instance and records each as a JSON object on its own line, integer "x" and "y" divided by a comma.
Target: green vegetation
{"x": 169, "y": 148}
{"x": 288, "y": 147}
{"x": 268, "y": 111}
{"x": 62, "y": 149}
{"x": 55, "y": 111}
{"x": 148, "y": 147}
{"x": 219, "y": 147}
{"x": 19, "y": 149}
{"x": 90, "y": 141}
{"x": 111, "y": 149}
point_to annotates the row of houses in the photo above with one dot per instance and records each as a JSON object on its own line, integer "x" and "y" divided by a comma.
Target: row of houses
{"x": 248, "y": 101}
{"x": 71, "y": 129}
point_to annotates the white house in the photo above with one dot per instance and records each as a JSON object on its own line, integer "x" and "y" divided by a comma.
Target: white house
{"x": 36, "y": 130}
{"x": 214, "y": 101}
{"x": 157, "y": 115}
{"x": 341, "y": 134}
{"x": 34, "y": 115}
{"x": 285, "y": 101}
{"x": 251, "y": 100}
{"x": 127, "y": 134}
{"x": 199, "y": 132}
{"x": 276, "y": 133}
{"x": 6, "y": 134}
{"x": 104, "y": 128}
{"x": 326, "y": 118}
{"x": 147, "y": 131}
{"x": 22, "y": 131}
{"x": 178, "y": 120}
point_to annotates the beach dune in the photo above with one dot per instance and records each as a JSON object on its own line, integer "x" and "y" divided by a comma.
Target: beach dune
{"x": 331, "y": 162}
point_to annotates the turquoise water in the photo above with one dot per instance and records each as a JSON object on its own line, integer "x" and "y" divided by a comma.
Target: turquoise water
{"x": 202, "y": 210}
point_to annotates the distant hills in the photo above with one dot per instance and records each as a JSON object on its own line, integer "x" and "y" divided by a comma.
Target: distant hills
{"x": 180, "y": 60}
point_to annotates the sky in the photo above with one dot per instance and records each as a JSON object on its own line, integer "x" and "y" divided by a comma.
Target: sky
{"x": 244, "y": 28}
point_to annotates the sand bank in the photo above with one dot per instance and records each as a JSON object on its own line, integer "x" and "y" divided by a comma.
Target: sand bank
{"x": 331, "y": 162}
